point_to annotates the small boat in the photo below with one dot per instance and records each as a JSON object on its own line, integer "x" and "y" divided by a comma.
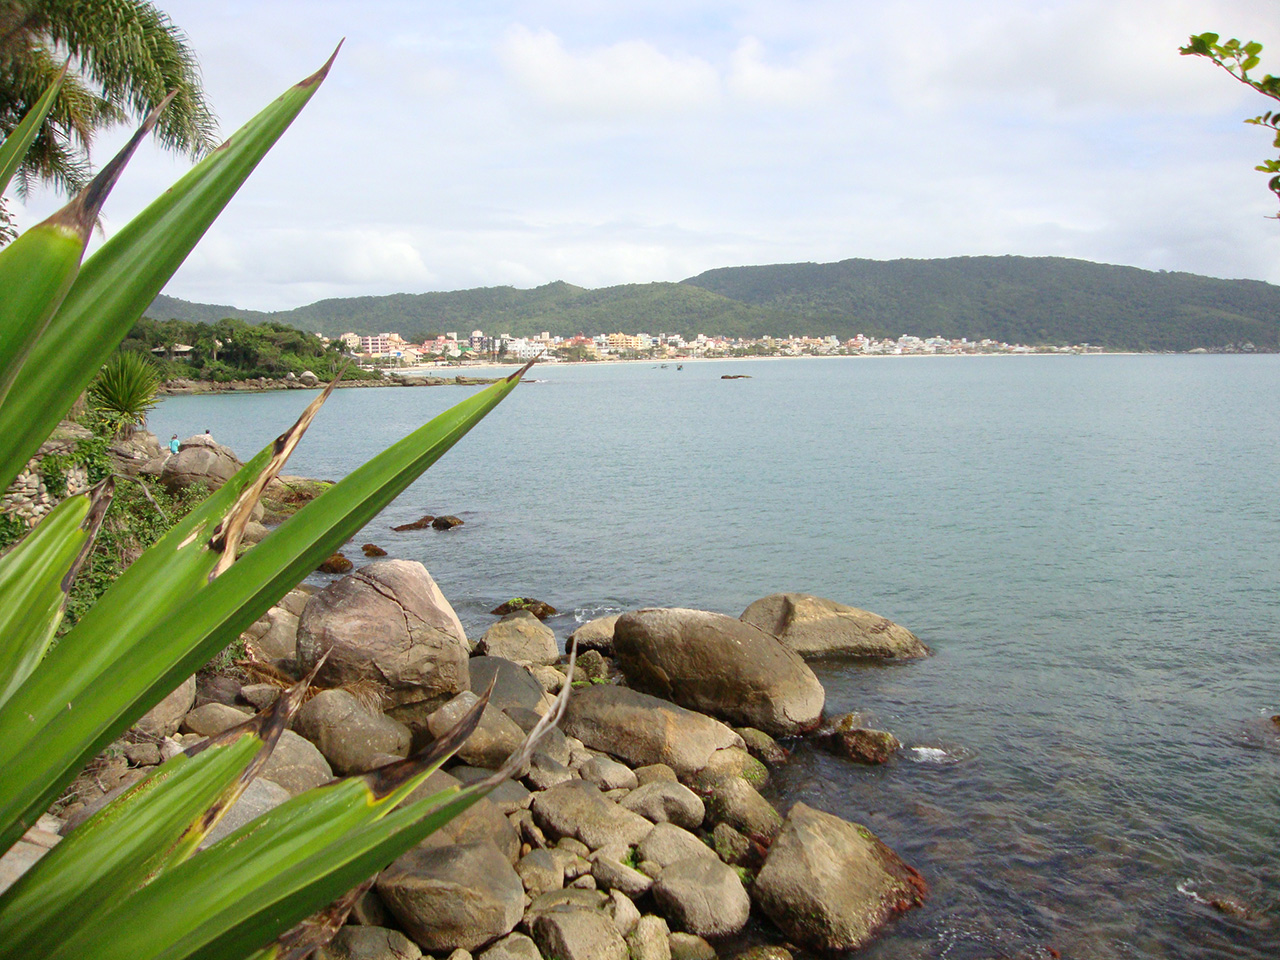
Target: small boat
{"x": 680, "y": 366}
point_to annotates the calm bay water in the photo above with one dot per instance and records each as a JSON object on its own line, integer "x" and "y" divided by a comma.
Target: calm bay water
{"x": 1090, "y": 546}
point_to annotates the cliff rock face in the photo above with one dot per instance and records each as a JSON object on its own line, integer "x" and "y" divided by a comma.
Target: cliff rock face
{"x": 725, "y": 667}
{"x": 390, "y": 624}
{"x": 814, "y": 627}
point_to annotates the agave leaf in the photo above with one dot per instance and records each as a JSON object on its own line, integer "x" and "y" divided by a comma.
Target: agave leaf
{"x": 156, "y": 823}
{"x": 314, "y": 932}
{"x": 36, "y": 272}
{"x": 36, "y": 576}
{"x": 123, "y": 277}
{"x": 249, "y": 858}
{"x": 161, "y": 581}
{"x": 110, "y": 677}
{"x": 16, "y": 145}
{"x": 273, "y": 876}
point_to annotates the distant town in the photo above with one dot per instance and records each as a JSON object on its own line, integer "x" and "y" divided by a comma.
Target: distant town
{"x": 392, "y": 350}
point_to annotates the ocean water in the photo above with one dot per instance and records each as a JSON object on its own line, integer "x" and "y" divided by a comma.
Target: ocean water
{"x": 1089, "y": 545}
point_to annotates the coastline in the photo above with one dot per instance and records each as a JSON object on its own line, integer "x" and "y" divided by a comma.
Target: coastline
{"x": 428, "y": 375}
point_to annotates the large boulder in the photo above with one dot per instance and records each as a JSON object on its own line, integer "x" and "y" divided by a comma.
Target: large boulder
{"x": 725, "y": 667}
{"x": 596, "y": 634}
{"x": 702, "y": 896}
{"x": 200, "y": 459}
{"x": 814, "y": 627}
{"x": 348, "y": 733}
{"x": 830, "y": 884}
{"x": 390, "y": 624}
{"x": 480, "y": 821}
{"x": 641, "y": 729}
{"x": 495, "y": 738}
{"x": 570, "y": 934}
{"x": 134, "y": 452}
{"x": 578, "y": 809}
{"x": 520, "y": 637}
{"x": 459, "y": 896}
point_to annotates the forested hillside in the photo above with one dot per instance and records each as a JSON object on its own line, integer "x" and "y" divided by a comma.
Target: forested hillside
{"x": 1033, "y": 300}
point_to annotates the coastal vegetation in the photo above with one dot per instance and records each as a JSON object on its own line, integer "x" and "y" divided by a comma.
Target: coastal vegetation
{"x": 231, "y": 349}
{"x": 130, "y": 880}
{"x": 1029, "y": 300}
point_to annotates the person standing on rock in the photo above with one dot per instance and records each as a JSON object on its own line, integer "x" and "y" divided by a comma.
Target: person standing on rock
{"x": 173, "y": 444}
{"x": 208, "y": 434}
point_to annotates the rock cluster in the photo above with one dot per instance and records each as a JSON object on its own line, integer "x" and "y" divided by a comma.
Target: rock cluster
{"x": 638, "y": 829}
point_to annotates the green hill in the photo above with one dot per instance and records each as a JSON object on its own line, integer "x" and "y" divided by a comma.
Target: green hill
{"x": 1016, "y": 299}
{"x": 1034, "y": 300}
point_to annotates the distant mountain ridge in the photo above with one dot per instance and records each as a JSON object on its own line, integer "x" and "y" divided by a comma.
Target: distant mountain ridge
{"x": 1030, "y": 300}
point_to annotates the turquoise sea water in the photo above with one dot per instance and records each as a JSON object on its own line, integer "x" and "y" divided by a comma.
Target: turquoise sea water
{"x": 1090, "y": 546}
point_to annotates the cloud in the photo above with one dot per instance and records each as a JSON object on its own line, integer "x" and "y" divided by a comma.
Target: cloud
{"x": 631, "y": 77}
{"x": 752, "y": 79}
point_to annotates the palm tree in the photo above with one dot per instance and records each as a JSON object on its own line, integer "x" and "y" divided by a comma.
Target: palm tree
{"x": 126, "y": 55}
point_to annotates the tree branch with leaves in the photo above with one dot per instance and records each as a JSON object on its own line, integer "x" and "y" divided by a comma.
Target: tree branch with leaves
{"x": 1237, "y": 59}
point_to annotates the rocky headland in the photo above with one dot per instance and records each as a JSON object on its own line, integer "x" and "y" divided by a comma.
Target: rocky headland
{"x": 309, "y": 381}
{"x": 637, "y": 830}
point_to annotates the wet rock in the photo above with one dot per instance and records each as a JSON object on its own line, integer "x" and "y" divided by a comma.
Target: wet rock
{"x": 163, "y": 719}
{"x": 596, "y": 634}
{"x": 702, "y": 896}
{"x": 661, "y": 801}
{"x": 762, "y": 746}
{"x": 642, "y": 729}
{"x": 446, "y": 522}
{"x": 578, "y": 809}
{"x": 388, "y": 623}
{"x": 859, "y": 744}
{"x": 336, "y": 563}
{"x": 733, "y": 801}
{"x": 830, "y": 884}
{"x": 348, "y": 733}
{"x": 578, "y": 935}
{"x": 522, "y": 638}
{"x": 666, "y": 844}
{"x": 422, "y": 523}
{"x": 725, "y": 667}
{"x": 731, "y": 846}
{"x": 813, "y": 626}
{"x": 372, "y": 550}
{"x": 537, "y": 608}
{"x": 462, "y": 895}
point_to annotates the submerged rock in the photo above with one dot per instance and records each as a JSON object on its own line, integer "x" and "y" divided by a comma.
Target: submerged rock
{"x": 422, "y": 523}
{"x": 337, "y": 563}
{"x": 538, "y": 608}
{"x": 860, "y": 744}
{"x": 813, "y": 626}
{"x": 446, "y": 523}
{"x": 373, "y": 550}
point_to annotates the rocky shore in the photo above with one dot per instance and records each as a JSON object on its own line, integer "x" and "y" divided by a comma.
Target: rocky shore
{"x": 637, "y": 830}
{"x": 309, "y": 381}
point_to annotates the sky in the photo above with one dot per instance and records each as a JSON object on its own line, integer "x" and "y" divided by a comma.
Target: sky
{"x": 463, "y": 144}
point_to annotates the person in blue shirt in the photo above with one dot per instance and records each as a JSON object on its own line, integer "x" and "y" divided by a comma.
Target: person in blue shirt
{"x": 173, "y": 444}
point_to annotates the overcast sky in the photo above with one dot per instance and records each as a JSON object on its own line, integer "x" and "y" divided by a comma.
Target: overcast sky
{"x": 461, "y": 144}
